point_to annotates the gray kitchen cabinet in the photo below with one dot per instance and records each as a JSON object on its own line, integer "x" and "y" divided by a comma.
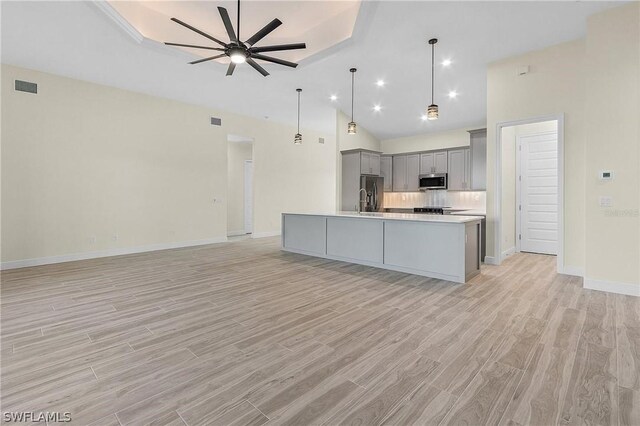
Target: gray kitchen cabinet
{"x": 406, "y": 172}
{"x": 433, "y": 162}
{"x": 369, "y": 163}
{"x": 386, "y": 171}
{"x": 478, "y": 146}
{"x": 459, "y": 170}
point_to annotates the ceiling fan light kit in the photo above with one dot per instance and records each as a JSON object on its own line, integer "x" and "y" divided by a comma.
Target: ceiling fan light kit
{"x": 351, "y": 127}
{"x": 238, "y": 51}
{"x": 432, "y": 110}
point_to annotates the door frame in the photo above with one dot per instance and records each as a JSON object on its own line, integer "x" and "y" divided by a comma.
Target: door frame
{"x": 247, "y": 182}
{"x": 519, "y": 185}
{"x": 498, "y": 185}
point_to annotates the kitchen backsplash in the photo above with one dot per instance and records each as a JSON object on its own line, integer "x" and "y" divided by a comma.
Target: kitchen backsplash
{"x": 462, "y": 199}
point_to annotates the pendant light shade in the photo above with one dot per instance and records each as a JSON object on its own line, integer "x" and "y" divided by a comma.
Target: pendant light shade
{"x": 297, "y": 139}
{"x": 351, "y": 128}
{"x": 432, "y": 110}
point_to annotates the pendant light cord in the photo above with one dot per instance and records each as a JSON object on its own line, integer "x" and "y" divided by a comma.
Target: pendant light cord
{"x": 352, "y": 80}
{"x": 433, "y": 46}
{"x": 298, "y": 111}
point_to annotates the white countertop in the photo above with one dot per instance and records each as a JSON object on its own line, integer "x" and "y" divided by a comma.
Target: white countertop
{"x": 398, "y": 216}
{"x": 470, "y": 212}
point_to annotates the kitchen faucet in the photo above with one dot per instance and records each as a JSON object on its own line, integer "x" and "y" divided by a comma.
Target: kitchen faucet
{"x": 360, "y": 201}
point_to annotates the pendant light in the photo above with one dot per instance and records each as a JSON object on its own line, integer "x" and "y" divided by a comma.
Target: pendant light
{"x": 297, "y": 139}
{"x": 351, "y": 128}
{"x": 432, "y": 110}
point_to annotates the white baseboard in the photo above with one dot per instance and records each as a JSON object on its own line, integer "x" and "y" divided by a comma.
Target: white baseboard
{"x": 236, "y": 233}
{"x": 14, "y": 264}
{"x": 490, "y": 260}
{"x": 265, "y": 234}
{"x": 508, "y": 252}
{"x": 630, "y": 289}
{"x": 572, "y": 270}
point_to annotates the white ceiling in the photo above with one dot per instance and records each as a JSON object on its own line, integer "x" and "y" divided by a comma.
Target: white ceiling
{"x": 389, "y": 41}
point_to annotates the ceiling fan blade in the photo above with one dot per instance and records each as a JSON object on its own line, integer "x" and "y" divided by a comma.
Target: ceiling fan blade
{"x": 207, "y": 59}
{"x": 278, "y": 47}
{"x": 257, "y": 67}
{"x": 274, "y": 60}
{"x": 232, "y": 66}
{"x": 227, "y": 24}
{"x": 264, "y": 31}
{"x": 194, "y": 46}
{"x": 202, "y": 33}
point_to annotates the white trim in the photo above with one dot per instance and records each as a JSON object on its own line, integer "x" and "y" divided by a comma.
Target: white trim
{"x": 497, "y": 232}
{"x": 572, "y": 270}
{"x": 119, "y": 20}
{"x": 508, "y": 252}
{"x": 630, "y": 289}
{"x": 265, "y": 234}
{"x": 14, "y": 264}
{"x": 490, "y": 260}
{"x": 236, "y": 233}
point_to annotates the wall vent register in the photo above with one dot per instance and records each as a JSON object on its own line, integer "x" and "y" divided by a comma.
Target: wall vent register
{"x": 25, "y": 86}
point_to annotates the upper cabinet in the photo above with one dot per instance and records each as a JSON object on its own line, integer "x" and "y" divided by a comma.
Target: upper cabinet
{"x": 386, "y": 168}
{"x": 433, "y": 162}
{"x": 369, "y": 163}
{"x": 459, "y": 170}
{"x": 478, "y": 146}
{"x": 406, "y": 172}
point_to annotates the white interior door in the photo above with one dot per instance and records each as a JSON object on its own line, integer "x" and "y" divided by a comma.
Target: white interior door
{"x": 538, "y": 193}
{"x": 248, "y": 196}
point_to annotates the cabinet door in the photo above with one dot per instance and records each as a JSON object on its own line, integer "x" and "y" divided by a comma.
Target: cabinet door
{"x": 413, "y": 172}
{"x": 427, "y": 163}
{"x": 440, "y": 162}
{"x": 399, "y": 170}
{"x": 374, "y": 164}
{"x": 365, "y": 163}
{"x": 386, "y": 171}
{"x": 456, "y": 169}
{"x": 479, "y": 160}
{"x": 467, "y": 169}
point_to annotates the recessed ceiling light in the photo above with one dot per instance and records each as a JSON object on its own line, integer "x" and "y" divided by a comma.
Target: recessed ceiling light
{"x": 446, "y": 62}
{"x": 333, "y": 97}
{"x": 380, "y": 83}
{"x": 453, "y": 94}
{"x": 377, "y": 108}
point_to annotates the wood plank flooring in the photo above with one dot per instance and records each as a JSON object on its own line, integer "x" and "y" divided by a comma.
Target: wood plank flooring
{"x": 243, "y": 334}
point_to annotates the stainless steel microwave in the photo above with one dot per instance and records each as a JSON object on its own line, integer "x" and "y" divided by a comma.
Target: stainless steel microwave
{"x": 433, "y": 181}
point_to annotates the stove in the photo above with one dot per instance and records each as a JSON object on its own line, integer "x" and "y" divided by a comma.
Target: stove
{"x": 429, "y": 210}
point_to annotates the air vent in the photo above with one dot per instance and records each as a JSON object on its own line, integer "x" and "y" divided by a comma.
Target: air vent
{"x": 25, "y": 86}
{"x": 321, "y": 140}
{"x": 216, "y": 121}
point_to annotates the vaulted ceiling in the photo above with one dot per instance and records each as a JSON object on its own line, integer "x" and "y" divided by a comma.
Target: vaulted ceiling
{"x": 119, "y": 45}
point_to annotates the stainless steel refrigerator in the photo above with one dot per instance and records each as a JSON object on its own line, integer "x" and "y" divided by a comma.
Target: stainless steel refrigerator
{"x": 374, "y": 188}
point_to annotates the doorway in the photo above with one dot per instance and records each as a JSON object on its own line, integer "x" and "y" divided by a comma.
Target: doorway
{"x": 239, "y": 185}
{"x": 529, "y": 188}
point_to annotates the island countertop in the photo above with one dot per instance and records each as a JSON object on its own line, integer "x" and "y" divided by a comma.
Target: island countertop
{"x": 398, "y": 216}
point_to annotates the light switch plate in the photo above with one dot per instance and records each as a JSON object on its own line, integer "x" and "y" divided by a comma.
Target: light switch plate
{"x": 606, "y": 201}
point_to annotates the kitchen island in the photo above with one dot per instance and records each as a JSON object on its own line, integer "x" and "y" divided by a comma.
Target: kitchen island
{"x": 438, "y": 246}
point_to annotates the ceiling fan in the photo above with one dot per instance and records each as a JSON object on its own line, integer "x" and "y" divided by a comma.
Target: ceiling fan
{"x": 238, "y": 51}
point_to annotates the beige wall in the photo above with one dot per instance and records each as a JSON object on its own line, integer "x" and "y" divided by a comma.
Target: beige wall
{"x": 237, "y": 154}
{"x": 555, "y": 84}
{"x": 83, "y": 161}
{"x": 509, "y": 137}
{"x": 429, "y": 141}
{"x": 612, "y": 122}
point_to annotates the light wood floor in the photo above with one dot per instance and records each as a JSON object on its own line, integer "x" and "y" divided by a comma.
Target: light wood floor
{"x": 241, "y": 333}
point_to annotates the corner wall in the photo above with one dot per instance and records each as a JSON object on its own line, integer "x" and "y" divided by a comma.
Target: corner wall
{"x": 90, "y": 170}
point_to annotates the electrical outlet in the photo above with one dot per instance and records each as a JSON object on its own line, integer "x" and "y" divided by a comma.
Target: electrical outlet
{"x": 92, "y": 240}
